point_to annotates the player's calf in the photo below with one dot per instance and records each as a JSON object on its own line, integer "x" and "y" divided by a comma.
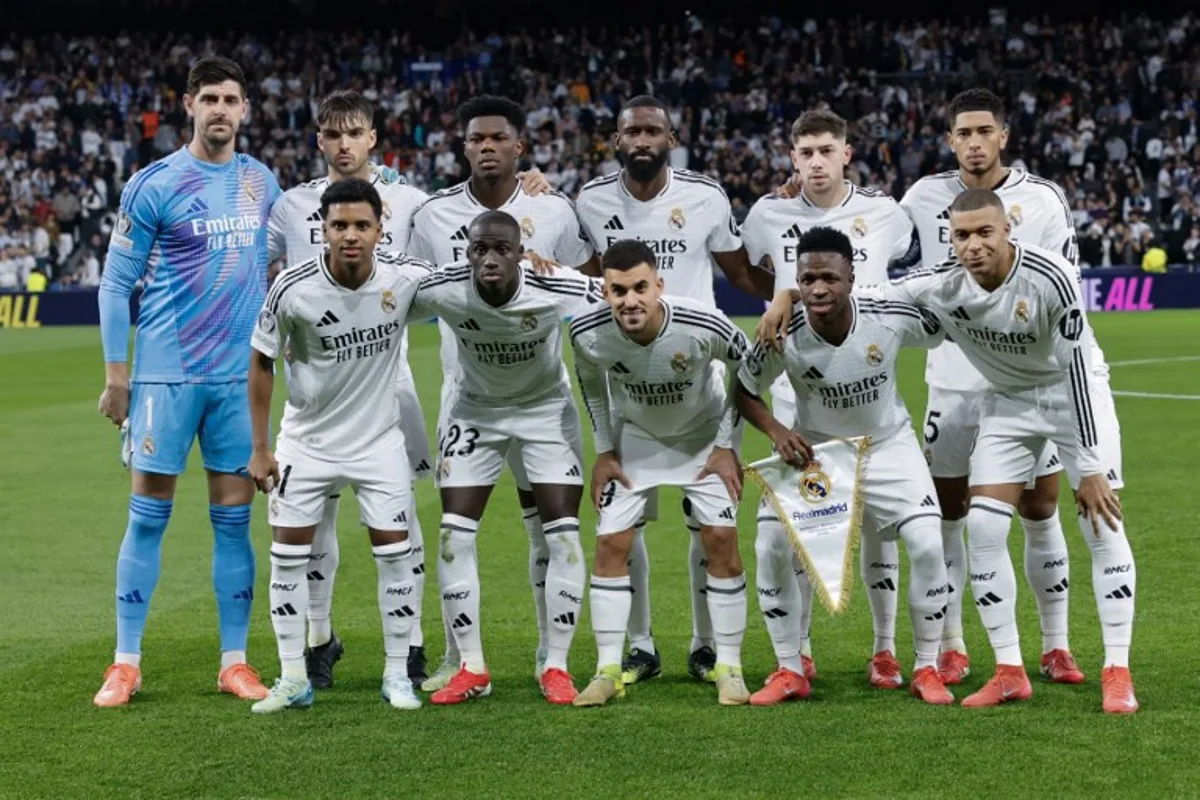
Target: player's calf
{"x": 726, "y": 594}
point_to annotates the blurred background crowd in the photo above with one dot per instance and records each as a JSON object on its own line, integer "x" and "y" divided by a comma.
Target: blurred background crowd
{"x": 1105, "y": 108}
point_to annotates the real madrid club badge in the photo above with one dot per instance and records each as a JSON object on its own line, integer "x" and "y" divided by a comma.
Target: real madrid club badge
{"x": 874, "y": 355}
{"x": 148, "y": 445}
{"x": 528, "y": 322}
{"x": 527, "y": 228}
{"x": 387, "y": 210}
{"x": 1015, "y": 215}
{"x": 859, "y": 227}
{"x": 266, "y": 321}
{"x": 1022, "y": 311}
{"x": 248, "y": 189}
{"x": 275, "y": 506}
{"x": 679, "y": 363}
{"x": 814, "y": 485}
{"x": 677, "y": 220}
{"x": 387, "y": 301}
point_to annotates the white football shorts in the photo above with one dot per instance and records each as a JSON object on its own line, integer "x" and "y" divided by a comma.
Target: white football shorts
{"x": 381, "y": 479}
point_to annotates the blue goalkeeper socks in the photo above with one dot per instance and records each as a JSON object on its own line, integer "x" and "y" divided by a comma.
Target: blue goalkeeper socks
{"x": 138, "y": 566}
{"x": 232, "y": 573}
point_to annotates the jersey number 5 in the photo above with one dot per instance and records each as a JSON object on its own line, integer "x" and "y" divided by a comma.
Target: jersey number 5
{"x": 931, "y": 428}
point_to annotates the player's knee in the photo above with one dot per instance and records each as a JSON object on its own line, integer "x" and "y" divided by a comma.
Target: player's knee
{"x": 526, "y": 498}
{"x": 1038, "y": 503}
{"x": 923, "y": 541}
{"x": 953, "y": 496}
{"x": 720, "y": 545}
{"x": 612, "y": 554}
{"x": 770, "y": 543}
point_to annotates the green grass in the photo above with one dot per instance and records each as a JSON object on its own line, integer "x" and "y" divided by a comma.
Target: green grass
{"x": 62, "y": 514}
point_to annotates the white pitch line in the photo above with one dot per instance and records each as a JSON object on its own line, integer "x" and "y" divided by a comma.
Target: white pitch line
{"x": 1135, "y": 362}
{"x": 1156, "y": 396}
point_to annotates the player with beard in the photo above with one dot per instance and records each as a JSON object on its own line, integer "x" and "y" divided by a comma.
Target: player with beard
{"x": 686, "y": 220}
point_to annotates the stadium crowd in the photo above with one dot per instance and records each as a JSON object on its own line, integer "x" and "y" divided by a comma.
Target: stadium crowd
{"x": 1107, "y": 109}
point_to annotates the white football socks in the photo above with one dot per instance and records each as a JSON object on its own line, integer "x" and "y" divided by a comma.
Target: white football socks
{"x": 289, "y": 598}
{"x": 779, "y": 595}
{"x": 396, "y": 593}
{"x": 1047, "y": 570}
{"x": 993, "y": 580}
{"x": 804, "y": 589}
{"x": 1114, "y": 580}
{"x": 322, "y": 567}
{"x": 879, "y": 562}
{"x": 702, "y": 623}
{"x": 926, "y": 587}
{"x": 460, "y": 588}
{"x": 539, "y": 561}
{"x": 564, "y": 588}
{"x": 954, "y": 553}
{"x": 416, "y": 564}
{"x": 610, "y": 599}
{"x": 727, "y": 607}
{"x": 639, "y": 581}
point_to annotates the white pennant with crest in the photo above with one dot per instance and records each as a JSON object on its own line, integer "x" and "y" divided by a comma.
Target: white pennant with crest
{"x": 820, "y": 508}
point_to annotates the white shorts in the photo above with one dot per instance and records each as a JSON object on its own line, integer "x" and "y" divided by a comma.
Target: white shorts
{"x": 544, "y": 438}
{"x": 1014, "y": 428}
{"x": 381, "y": 479}
{"x": 783, "y": 401}
{"x": 649, "y": 464}
{"x": 951, "y": 425}
{"x": 412, "y": 425}
{"x": 897, "y": 486}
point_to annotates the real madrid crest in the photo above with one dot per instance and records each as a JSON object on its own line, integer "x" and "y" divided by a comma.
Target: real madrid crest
{"x": 387, "y": 301}
{"x": 266, "y": 321}
{"x": 528, "y": 322}
{"x": 387, "y": 210}
{"x": 1015, "y": 214}
{"x": 874, "y": 355}
{"x": 858, "y": 228}
{"x": 677, "y": 220}
{"x": 148, "y": 446}
{"x": 815, "y": 485}
{"x": 248, "y": 190}
{"x": 679, "y": 363}
{"x": 275, "y": 506}
{"x": 1022, "y": 311}
{"x": 527, "y": 228}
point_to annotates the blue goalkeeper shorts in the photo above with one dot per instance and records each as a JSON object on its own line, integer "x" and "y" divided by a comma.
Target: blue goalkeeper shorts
{"x": 165, "y": 418}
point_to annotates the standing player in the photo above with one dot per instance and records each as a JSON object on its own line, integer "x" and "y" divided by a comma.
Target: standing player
{"x": 1038, "y": 214}
{"x": 441, "y": 232}
{"x": 840, "y": 355}
{"x": 342, "y": 317}
{"x": 1016, "y": 311}
{"x": 192, "y": 228}
{"x": 657, "y": 357}
{"x": 346, "y": 135}
{"x": 686, "y": 221}
{"x": 514, "y": 397}
{"x": 882, "y": 236}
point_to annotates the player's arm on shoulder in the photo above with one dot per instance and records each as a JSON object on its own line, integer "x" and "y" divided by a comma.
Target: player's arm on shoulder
{"x": 906, "y": 254}
{"x": 922, "y": 330}
{"x": 741, "y": 273}
{"x": 760, "y": 369}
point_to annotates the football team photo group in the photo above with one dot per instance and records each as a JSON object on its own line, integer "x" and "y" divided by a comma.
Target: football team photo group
{"x": 254, "y": 299}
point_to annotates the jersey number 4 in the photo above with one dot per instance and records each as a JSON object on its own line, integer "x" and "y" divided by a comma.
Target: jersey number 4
{"x": 449, "y": 444}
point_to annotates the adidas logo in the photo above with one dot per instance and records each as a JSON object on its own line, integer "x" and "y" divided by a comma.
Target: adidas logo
{"x": 988, "y": 599}
{"x": 774, "y": 613}
{"x": 423, "y": 466}
{"x": 315, "y": 576}
{"x": 402, "y": 612}
{"x": 314, "y": 217}
{"x": 198, "y": 206}
{"x": 1111, "y": 475}
{"x": 1059, "y": 587}
{"x": 928, "y": 502}
{"x": 945, "y": 214}
{"x": 1120, "y": 594}
{"x": 285, "y": 610}
{"x": 949, "y": 587}
{"x": 566, "y": 619}
{"x": 936, "y": 615}
{"x": 469, "y": 325}
{"x": 1054, "y": 462}
{"x": 462, "y": 621}
{"x": 401, "y": 518}
{"x": 614, "y": 224}
{"x": 244, "y": 594}
{"x": 419, "y": 569}
{"x": 132, "y": 597}
{"x": 328, "y": 319}
{"x": 727, "y": 514}
{"x": 573, "y": 472}
{"x": 960, "y": 313}
{"x": 620, "y": 368}
{"x": 460, "y": 235}
{"x": 793, "y": 232}
{"x": 813, "y": 374}
{"x": 885, "y": 585}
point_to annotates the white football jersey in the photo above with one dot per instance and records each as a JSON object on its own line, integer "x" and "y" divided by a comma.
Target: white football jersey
{"x": 344, "y": 347}
{"x": 848, "y": 389}
{"x": 549, "y": 227}
{"x": 294, "y": 229}
{"x": 1028, "y": 333}
{"x": 688, "y": 221}
{"x": 882, "y": 234}
{"x": 1039, "y": 214}
{"x": 670, "y": 389}
{"x": 512, "y": 353}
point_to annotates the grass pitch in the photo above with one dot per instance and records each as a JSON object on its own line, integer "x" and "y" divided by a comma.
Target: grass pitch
{"x": 63, "y": 510}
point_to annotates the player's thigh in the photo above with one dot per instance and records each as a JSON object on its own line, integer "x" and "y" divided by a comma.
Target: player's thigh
{"x": 225, "y": 431}
{"x": 950, "y": 426}
{"x": 471, "y": 449}
{"x": 163, "y": 421}
{"x": 548, "y": 442}
{"x": 898, "y": 487}
{"x": 382, "y": 481}
{"x": 1012, "y": 433}
{"x": 305, "y": 482}
{"x": 412, "y": 425}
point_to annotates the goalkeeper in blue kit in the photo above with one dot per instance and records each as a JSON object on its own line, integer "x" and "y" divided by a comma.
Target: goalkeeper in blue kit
{"x": 192, "y": 228}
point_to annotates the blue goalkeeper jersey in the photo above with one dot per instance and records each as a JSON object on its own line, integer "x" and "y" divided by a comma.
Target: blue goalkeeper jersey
{"x": 195, "y": 234}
